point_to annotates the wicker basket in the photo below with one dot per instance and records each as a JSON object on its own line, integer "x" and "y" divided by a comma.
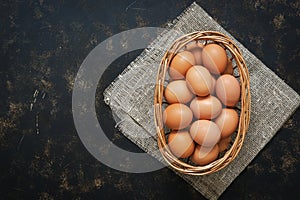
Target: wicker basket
{"x": 234, "y": 54}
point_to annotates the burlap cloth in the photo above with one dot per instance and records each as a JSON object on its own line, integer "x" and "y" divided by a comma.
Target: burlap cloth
{"x": 130, "y": 97}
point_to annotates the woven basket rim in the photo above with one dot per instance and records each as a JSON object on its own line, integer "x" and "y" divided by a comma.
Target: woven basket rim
{"x": 245, "y": 101}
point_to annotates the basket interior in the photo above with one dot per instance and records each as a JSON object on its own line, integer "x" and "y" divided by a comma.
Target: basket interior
{"x": 243, "y": 107}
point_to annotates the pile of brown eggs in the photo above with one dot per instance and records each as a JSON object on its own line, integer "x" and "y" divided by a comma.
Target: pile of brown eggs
{"x": 202, "y": 94}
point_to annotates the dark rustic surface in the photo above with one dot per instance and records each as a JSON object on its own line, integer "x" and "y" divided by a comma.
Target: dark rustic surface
{"x": 42, "y": 46}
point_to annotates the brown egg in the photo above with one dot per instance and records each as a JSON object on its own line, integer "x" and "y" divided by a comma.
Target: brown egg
{"x": 207, "y": 107}
{"x": 205, "y": 132}
{"x": 199, "y": 80}
{"x": 214, "y": 58}
{"x": 205, "y": 155}
{"x": 224, "y": 143}
{"x": 180, "y": 64}
{"x": 177, "y": 116}
{"x": 228, "y": 90}
{"x": 178, "y": 92}
{"x": 227, "y": 122}
{"x": 229, "y": 67}
{"x": 181, "y": 144}
{"x": 213, "y": 85}
{"x": 196, "y": 49}
{"x": 191, "y": 45}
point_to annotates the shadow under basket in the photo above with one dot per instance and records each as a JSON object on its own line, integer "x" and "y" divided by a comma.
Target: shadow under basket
{"x": 240, "y": 71}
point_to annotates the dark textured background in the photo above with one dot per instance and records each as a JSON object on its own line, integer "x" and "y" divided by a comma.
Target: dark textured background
{"x": 42, "y": 45}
